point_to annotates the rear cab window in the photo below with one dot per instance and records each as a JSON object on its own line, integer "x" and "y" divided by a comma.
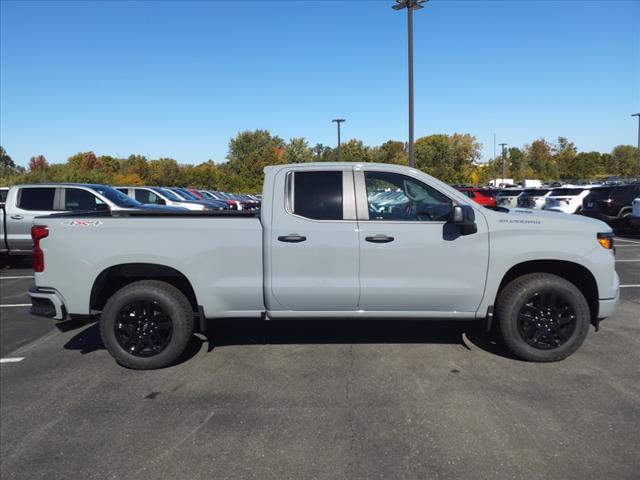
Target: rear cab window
{"x": 316, "y": 195}
{"x": 37, "y": 199}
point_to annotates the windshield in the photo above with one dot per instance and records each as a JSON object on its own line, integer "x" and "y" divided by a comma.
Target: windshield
{"x": 167, "y": 193}
{"x": 186, "y": 194}
{"x": 566, "y": 192}
{"x": 117, "y": 197}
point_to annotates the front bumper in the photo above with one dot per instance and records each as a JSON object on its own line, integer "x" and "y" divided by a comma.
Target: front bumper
{"x": 47, "y": 302}
{"x": 608, "y": 305}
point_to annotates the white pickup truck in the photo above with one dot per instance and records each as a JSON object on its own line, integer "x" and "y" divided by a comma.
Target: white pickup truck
{"x": 321, "y": 247}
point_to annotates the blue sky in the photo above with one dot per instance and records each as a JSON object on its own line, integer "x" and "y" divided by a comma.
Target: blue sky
{"x": 179, "y": 79}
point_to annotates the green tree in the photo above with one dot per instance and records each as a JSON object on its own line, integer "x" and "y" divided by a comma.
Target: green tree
{"x": 354, "y": 151}
{"x": 517, "y": 164}
{"x": 323, "y": 153}
{"x": 586, "y": 166}
{"x": 624, "y": 160}
{"x": 249, "y": 153}
{"x": 297, "y": 151}
{"x": 564, "y": 154}
{"x": 540, "y": 159}
{"x": 434, "y": 155}
{"x": 163, "y": 171}
{"x": 391, "y": 151}
{"x": 7, "y": 165}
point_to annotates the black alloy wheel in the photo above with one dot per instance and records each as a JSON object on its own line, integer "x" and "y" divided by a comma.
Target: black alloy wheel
{"x": 546, "y": 321}
{"x": 143, "y": 328}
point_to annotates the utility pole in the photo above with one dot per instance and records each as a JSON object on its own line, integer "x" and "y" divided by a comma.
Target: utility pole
{"x": 410, "y": 5}
{"x": 503, "y": 145}
{"x": 638, "y": 152}
{"x": 338, "y": 121}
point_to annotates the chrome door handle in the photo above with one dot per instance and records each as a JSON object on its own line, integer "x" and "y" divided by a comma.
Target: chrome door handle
{"x": 17, "y": 217}
{"x": 379, "y": 239}
{"x": 292, "y": 238}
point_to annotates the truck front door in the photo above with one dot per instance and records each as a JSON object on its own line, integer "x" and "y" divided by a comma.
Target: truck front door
{"x": 410, "y": 258}
{"x": 313, "y": 256}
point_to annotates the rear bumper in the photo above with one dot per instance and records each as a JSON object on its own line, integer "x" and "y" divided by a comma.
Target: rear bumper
{"x": 47, "y": 302}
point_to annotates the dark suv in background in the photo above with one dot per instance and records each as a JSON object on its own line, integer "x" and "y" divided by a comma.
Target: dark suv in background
{"x": 611, "y": 204}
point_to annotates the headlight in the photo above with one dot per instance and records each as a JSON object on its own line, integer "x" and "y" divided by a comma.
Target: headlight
{"x": 606, "y": 240}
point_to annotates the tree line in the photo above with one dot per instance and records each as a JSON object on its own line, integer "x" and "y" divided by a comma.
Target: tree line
{"x": 451, "y": 158}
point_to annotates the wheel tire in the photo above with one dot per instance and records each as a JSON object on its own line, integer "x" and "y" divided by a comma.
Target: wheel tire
{"x": 171, "y": 300}
{"x": 519, "y": 291}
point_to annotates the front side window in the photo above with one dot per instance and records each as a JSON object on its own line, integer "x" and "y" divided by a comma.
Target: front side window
{"x": 37, "y": 199}
{"x": 77, "y": 199}
{"x": 146, "y": 196}
{"x": 317, "y": 195}
{"x": 392, "y": 196}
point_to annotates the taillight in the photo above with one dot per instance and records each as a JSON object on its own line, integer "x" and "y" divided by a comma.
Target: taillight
{"x": 38, "y": 232}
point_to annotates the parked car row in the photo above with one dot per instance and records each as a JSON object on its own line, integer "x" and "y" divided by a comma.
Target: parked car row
{"x": 20, "y": 204}
{"x": 611, "y": 203}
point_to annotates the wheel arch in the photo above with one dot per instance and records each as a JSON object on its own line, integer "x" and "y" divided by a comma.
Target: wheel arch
{"x": 575, "y": 273}
{"x": 113, "y": 278}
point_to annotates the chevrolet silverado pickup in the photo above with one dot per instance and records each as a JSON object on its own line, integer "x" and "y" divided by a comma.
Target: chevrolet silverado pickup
{"x": 324, "y": 246}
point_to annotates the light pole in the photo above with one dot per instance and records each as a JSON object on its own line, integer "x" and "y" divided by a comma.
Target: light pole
{"x": 338, "y": 121}
{"x": 410, "y": 5}
{"x": 638, "y": 152}
{"x": 502, "y": 145}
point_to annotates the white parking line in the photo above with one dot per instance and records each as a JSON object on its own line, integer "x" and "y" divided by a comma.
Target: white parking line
{"x": 16, "y": 305}
{"x": 630, "y": 286}
{"x": 627, "y": 240}
{"x": 627, "y": 260}
{"x": 13, "y": 278}
{"x": 628, "y": 246}
{"x": 11, "y": 359}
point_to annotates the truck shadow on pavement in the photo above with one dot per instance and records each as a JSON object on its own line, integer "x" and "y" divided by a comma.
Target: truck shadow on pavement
{"x": 468, "y": 334}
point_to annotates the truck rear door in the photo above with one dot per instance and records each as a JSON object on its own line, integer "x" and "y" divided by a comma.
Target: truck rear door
{"x": 313, "y": 255}
{"x": 29, "y": 202}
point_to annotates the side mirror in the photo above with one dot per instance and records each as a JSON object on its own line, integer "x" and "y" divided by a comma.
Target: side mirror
{"x": 465, "y": 217}
{"x": 161, "y": 201}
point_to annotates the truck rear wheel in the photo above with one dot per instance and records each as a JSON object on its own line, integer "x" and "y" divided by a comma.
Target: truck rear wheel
{"x": 542, "y": 317}
{"x": 147, "y": 325}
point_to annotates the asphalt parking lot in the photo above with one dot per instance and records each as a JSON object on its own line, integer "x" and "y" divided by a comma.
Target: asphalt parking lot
{"x": 326, "y": 400}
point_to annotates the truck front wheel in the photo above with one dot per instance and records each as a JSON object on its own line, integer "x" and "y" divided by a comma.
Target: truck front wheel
{"x": 147, "y": 325}
{"x": 542, "y": 317}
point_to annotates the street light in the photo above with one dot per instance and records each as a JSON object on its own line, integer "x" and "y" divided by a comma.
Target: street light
{"x": 338, "y": 121}
{"x": 638, "y": 152}
{"x": 503, "y": 145}
{"x": 410, "y": 5}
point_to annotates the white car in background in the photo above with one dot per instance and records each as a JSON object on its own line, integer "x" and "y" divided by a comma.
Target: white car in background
{"x": 634, "y": 219}
{"x": 567, "y": 199}
{"x": 534, "y": 198}
{"x": 160, "y": 196}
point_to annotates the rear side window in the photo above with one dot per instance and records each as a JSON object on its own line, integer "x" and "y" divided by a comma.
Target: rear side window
{"x": 36, "y": 199}
{"x": 317, "y": 195}
{"x": 77, "y": 199}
